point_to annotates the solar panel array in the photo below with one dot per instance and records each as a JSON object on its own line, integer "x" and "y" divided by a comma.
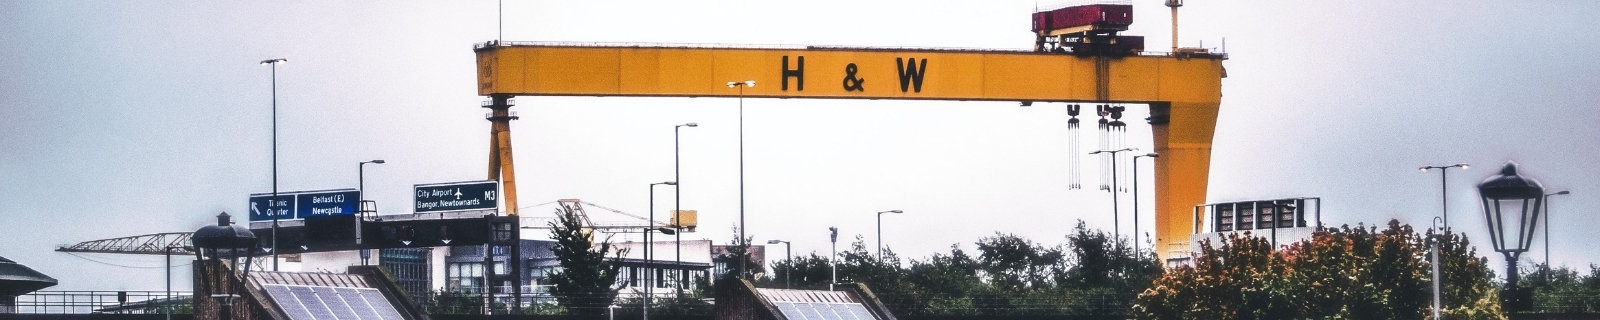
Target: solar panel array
{"x": 322, "y": 303}
{"x": 817, "y": 305}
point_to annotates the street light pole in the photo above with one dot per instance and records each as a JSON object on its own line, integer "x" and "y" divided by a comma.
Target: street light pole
{"x": 1435, "y": 252}
{"x": 677, "y": 194}
{"x": 789, "y": 257}
{"x": 1136, "y": 201}
{"x": 1116, "y": 227}
{"x": 272, "y": 205}
{"x": 1444, "y": 197}
{"x": 1547, "y": 226}
{"x": 361, "y": 197}
{"x": 880, "y": 231}
{"x": 741, "y": 242}
{"x": 649, "y": 226}
{"x": 833, "y": 239}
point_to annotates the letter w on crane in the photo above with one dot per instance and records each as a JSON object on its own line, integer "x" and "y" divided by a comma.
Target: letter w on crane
{"x": 910, "y": 73}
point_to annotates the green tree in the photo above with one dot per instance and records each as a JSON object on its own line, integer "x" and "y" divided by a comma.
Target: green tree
{"x": 1016, "y": 264}
{"x": 740, "y": 251}
{"x": 1097, "y": 261}
{"x": 943, "y": 284}
{"x": 1469, "y": 289}
{"x": 883, "y": 274}
{"x": 810, "y": 272}
{"x": 1344, "y": 273}
{"x": 587, "y": 281}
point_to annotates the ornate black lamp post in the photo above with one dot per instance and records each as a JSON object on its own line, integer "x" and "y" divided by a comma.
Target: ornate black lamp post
{"x": 219, "y": 243}
{"x": 1511, "y": 203}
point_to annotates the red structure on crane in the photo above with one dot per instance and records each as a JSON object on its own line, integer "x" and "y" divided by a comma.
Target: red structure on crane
{"x": 1087, "y": 29}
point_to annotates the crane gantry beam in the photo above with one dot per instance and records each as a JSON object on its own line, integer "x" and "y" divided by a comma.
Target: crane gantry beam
{"x": 155, "y": 244}
{"x": 1184, "y": 91}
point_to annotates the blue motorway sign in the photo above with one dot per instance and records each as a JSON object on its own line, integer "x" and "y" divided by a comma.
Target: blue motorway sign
{"x": 261, "y": 210}
{"x": 474, "y": 195}
{"x": 302, "y": 204}
{"x": 330, "y": 203}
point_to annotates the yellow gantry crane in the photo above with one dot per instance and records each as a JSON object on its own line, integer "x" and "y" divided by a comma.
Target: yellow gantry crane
{"x": 1183, "y": 89}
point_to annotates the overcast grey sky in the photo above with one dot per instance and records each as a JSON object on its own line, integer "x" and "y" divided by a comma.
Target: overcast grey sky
{"x": 120, "y": 118}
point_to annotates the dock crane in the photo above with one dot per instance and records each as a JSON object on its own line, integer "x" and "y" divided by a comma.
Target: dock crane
{"x": 1183, "y": 89}
{"x": 577, "y": 207}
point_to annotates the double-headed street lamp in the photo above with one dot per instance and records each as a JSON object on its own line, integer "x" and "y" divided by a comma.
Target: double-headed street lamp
{"x": 880, "y": 231}
{"x": 1116, "y": 227}
{"x": 650, "y": 225}
{"x": 787, "y": 256}
{"x": 1444, "y": 197}
{"x": 1511, "y": 201}
{"x": 272, "y": 206}
{"x": 741, "y": 242}
{"x": 361, "y": 198}
{"x": 677, "y": 198}
{"x": 1136, "y": 201}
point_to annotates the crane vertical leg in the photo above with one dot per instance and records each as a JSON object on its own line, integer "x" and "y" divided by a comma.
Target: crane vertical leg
{"x": 1181, "y": 132}
{"x": 502, "y": 168}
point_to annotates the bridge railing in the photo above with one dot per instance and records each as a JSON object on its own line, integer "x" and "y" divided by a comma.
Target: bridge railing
{"x": 104, "y": 302}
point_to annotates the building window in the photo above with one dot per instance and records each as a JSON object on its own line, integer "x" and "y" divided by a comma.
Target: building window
{"x": 410, "y": 268}
{"x": 1225, "y": 219}
{"x": 464, "y": 277}
{"x": 1264, "y": 216}
{"x": 720, "y": 268}
{"x": 1247, "y": 220}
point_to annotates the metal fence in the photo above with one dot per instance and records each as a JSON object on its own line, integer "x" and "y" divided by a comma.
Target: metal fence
{"x": 105, "y": 302}
{"x": 1575, "y": 303}
{"x": 625, "y": 303}
{"x": 1010, "y": 305}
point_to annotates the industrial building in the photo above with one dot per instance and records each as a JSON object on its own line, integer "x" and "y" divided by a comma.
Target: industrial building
{"x": 1285, "y": 220}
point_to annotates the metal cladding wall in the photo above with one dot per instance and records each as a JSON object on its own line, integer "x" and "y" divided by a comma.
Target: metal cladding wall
{"x": 1121, "y": 15}
{"x": 1184, "y": 93}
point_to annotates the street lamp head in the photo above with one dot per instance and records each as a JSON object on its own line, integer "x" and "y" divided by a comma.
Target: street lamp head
{"x": 775, "y": 241}
{"x": 691, "y": 125}
{"x": 1463, "y": 166}
{"x": 376, "y": 161}
{"x": 1423, "y": 169}
{"x": 1113, "y": 151}
{"x": 892, "y": 211}
{"x": 274, "y": 61}
{"x": 667, "y": 231}
{"x": 1511, "y": 203}
{"x": 750, "y": 83}
{"x": 746, "y": 83}
{"x": 670, "y": 183}
{"x": 1563, "y": 192}
{"x": 1150, "y": 155}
